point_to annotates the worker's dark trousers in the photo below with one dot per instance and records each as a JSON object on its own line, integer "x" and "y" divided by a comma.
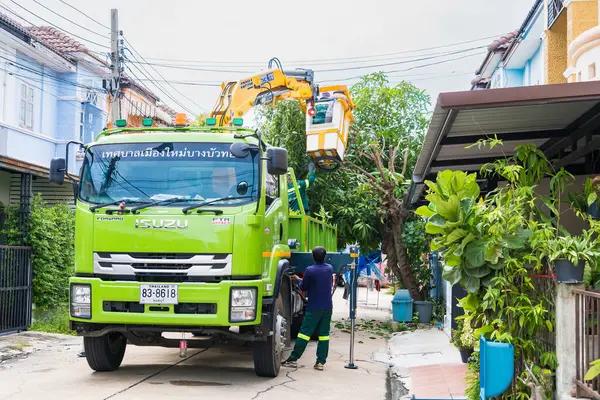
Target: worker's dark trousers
{"x": 314, "y": 321}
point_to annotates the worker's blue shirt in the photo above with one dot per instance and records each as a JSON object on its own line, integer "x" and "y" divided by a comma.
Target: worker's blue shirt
{"x": 317, "y": 284}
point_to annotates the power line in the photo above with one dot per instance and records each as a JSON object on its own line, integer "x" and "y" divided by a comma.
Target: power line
{"x": 41, "y": 73}
{"x": 133, "y": 50}
{"x": 84, "y": 14}
{"x": 326, "y": 61}
{"x": 70, "y": 20}
{"x": 371, "y": 66}
{"x": 402, "y": 70}
{"x": 57, "y": 27}
{"x": 159, "y": 87}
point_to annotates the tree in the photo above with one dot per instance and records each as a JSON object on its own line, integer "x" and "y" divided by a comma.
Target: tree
{"x": 390, "y": 123}
{"x": 365, "y": 196}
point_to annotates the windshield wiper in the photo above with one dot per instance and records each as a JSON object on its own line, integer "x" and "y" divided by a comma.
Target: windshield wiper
{"x": 205, "y": 203}
{"x": 163, "y": 202}
{"x": 112, "y": 203}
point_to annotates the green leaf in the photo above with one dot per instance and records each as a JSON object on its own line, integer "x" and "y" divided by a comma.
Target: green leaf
{"x": 433, "y": 229}
{"x": 424, "y": 211}
{"x": 470, "y": 284}
{"x": 594, "y": 370}
{"x": 448, "y": 209}
{"x": 592, "y": 198}
{"x": 518, "y": 240}
{"x": 455, "y": 235}
{"x": 451, "y": 274}
{"x": 474, "y": 254}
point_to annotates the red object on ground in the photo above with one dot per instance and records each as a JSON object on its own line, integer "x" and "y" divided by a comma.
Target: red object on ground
{"x": 438, "y": 381}
{"x": 377, "y": 285}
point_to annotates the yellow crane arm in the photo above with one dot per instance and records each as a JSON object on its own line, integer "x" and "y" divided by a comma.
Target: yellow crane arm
{"x": 238, "y": 97}
{"x": 328, "y": 109}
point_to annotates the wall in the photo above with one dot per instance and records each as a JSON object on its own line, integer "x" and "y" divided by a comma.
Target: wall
{"x": 555, "y": 51}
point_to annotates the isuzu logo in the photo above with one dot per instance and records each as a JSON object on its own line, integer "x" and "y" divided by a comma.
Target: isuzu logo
{"x": 152, "y": 223}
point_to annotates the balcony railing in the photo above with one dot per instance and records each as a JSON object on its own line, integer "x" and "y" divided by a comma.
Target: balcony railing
{"x": 554, "y": 9}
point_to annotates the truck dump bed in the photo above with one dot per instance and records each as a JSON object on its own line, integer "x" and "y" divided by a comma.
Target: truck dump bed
{"x": 311, "y": 232}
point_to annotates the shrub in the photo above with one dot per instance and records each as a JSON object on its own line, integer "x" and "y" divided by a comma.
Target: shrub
{"x": 50, "y": 233}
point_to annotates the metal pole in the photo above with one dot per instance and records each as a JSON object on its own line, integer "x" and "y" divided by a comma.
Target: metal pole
{"x": 115, "y": 66}
{"x": 353, "y": 294}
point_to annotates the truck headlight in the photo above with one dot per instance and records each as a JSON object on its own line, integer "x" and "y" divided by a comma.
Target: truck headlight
{"x": 242, "y": 304}
{"x": 81, "y": 300}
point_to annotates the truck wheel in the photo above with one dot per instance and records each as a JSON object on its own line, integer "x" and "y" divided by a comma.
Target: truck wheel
{"x": 105, "y": 353}
{"x": 269, "y": 355}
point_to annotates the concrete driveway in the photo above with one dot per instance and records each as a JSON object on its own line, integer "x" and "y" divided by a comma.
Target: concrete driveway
{"x": 51, "y": 369}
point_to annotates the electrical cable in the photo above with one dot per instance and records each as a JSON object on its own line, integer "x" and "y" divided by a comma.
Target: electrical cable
{"x": 85, "y": 14}
{"x": 71, "y": 21}
{"x": 343, "y": 60}
{"x": 161, "y": 75}
{"x": 159, "y": 87}
{"x": 58, "y": 27}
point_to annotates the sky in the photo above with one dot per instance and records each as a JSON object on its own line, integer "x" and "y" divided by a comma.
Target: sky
{"x": 190, "y": 46}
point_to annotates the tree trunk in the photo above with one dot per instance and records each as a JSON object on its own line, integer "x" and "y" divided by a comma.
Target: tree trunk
{"x": 396, "y": 251}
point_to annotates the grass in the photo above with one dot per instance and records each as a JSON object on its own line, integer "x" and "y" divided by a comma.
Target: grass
{"x": 52, "y": 321}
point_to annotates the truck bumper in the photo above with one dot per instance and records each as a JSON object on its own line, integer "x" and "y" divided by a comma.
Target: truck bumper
{"x": 199, "y": 304}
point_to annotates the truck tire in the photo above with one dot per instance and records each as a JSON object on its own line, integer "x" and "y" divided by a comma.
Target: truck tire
{"x": 105, "y": 353}
{"x": 268, "y": 355}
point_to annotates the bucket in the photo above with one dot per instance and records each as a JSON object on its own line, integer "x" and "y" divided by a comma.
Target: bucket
{"x": 425, "y": 311}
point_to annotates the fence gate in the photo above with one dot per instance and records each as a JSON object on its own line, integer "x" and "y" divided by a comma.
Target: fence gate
{"x": 15, "y": 288}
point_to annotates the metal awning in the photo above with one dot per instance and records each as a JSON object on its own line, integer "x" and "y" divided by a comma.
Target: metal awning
{"x": 563, "y": 120}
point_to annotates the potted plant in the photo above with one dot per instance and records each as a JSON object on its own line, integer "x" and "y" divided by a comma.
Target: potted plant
{"x": 591, "y": 190}
{"x": 570, "y": 253}
{"x": 589, "y": 200}
{"x": 462, "y": 338}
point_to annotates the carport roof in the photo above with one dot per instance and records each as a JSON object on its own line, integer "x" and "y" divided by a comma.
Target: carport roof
{"x": 563, "y": 120}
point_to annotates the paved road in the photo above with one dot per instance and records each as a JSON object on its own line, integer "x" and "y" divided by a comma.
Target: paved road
{"x": 55, "y": 372}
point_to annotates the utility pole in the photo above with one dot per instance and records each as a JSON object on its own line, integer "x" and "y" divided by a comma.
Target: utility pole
{"x": 115, "y": 66}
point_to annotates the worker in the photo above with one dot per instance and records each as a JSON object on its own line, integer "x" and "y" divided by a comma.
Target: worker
{"x": 223, "y": 182}
{"x": 302, "y": 186}
{"x": 317, "y": 284}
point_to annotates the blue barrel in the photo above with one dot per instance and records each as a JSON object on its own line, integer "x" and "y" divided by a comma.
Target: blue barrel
{"x": 402, "y": 306}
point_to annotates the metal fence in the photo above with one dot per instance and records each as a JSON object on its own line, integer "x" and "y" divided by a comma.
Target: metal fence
{"x": 587, "y": 317}
{"x": 15, "y": 288}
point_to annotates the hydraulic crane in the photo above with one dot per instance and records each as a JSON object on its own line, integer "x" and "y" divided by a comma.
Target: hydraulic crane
{"x": 328, "y": 109}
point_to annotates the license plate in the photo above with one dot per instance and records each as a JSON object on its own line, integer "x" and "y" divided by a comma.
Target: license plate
{"x": 158, "y": 294}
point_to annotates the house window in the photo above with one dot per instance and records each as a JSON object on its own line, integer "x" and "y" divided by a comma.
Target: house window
{"x": 81, "y": 123}
{"x": 592, "y": 71}
{"x": 26, "y": 107}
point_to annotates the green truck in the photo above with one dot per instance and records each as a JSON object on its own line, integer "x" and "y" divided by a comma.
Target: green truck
{"x": 188, "y": 229}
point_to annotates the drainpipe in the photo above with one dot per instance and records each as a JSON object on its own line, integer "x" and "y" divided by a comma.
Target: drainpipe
{"x": 43, "y": 81}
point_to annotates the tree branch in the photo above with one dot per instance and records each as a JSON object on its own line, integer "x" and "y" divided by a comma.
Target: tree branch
{"x": 369, "y": 175}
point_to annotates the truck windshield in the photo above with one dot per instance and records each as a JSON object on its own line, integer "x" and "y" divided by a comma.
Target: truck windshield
{"x": 147, "y": 172}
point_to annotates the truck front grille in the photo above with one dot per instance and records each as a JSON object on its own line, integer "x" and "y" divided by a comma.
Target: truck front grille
{"x": 181, "y": 308}
{"x": 162, "y": 264}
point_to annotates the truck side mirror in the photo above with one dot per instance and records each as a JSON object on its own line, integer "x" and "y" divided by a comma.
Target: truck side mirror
{"x": 58, "y": 167}
{"x": 277, "y": 161}
{"x": 241, "y": 149}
